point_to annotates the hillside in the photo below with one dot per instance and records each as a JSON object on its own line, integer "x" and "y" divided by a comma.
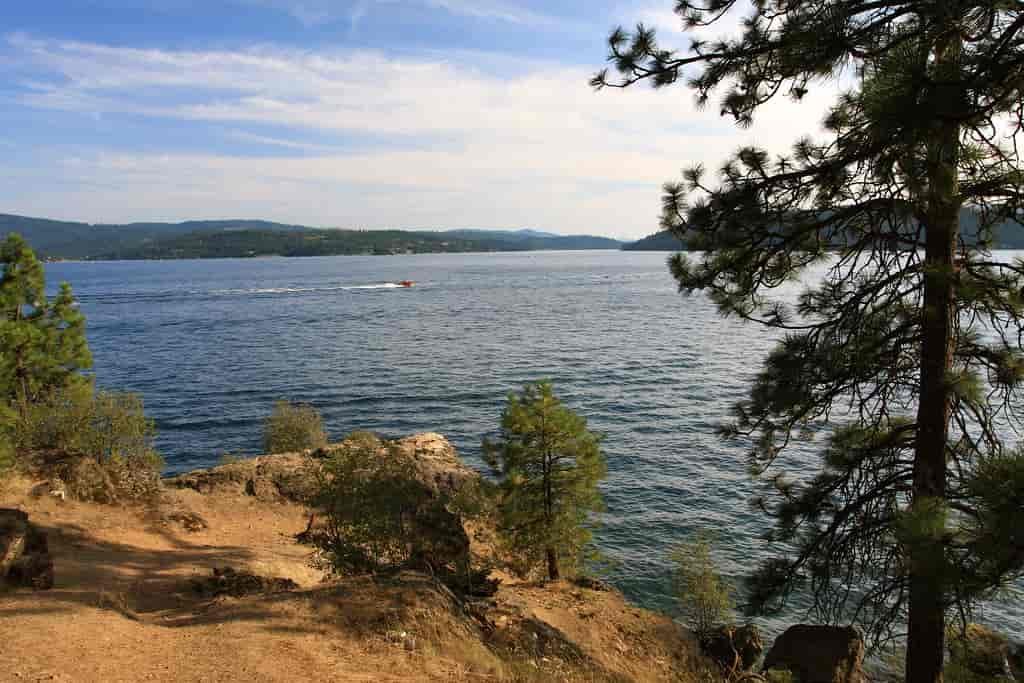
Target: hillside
{"x": 242, "y": 238}
{"x": 151, "y": 582}
{"x": 248, "y": 243}
{"x": 659, "y": 241}
{"x": 1009, "y": 235}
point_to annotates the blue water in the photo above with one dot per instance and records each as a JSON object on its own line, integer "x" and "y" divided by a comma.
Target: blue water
{"x": 212, "y": 344}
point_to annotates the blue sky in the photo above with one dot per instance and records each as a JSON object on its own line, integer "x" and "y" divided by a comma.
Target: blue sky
{"x": 346, "y": 113}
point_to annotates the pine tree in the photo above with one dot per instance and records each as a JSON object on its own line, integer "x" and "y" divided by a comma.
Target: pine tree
{"x": 909, "y": 346}
{"x": 43, "y": 342}
{"x": 549, "y": 465}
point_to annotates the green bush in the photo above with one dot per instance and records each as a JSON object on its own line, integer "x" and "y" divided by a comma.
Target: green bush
{"x": 368, "y": 501}
{"x": 104, "y": 440}
{"x": 293, "y": 427}
{"x": 704, "y": 598}
{"x": 377, "y": 515}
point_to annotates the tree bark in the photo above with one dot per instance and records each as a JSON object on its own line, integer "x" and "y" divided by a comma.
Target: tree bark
{"x": 553, "y": 573}
{"x": 926, "y": 627}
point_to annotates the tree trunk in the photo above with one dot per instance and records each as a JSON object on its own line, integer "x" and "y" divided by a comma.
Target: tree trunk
{"x": 926, "y": 627}
{"x": 553, "y": 572}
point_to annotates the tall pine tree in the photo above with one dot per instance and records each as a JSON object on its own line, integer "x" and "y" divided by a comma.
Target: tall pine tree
{"x": 910, "y": 344}
{"x": 549, "y": 465}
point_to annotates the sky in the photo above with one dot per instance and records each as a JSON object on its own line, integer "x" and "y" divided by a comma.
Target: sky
{"x": 369, "y": 114}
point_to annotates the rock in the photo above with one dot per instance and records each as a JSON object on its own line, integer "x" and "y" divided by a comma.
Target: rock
{"x": 13, "y": 534}
{"x": 819, "y": 654}
{"x": 232, "y": 477}
{"x": 262, "y": 489}
{"x": 53, "y": 488}
{"x": 1016, "y": 659}
{"x": 227, "y": 581}
{"x": 733, "y": 649}
{"x": 268, "y": 478}
{"x": 289, "y": 477}
{"x": 437, "y": 463}
{"x": 192, "y": 522}
{"x": 34, "y": 569}
{"x": 24, "y": 552}
{"x": 591, "y": 583}
{"x": 982, "y": 651}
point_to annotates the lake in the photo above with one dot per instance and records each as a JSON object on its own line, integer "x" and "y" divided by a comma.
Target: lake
{"x": 212, "y": 344}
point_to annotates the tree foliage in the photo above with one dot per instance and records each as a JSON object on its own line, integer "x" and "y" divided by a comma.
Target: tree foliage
{"x": 549, "y": 465}
{"x": 369, "y": 500}
{"x": 704, "y": 598}
{"x": 42, "y": 341}
{"x": 378, "y": 515}
{"x": 293, "y": 427}
{"x": 907, "y": 339}
{"x": 48, "y": 405}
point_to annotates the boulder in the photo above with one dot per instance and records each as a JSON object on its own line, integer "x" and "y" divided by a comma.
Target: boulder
{"x": 232, "y": 477}
{"x": 819, "y": 654}
{"x": 982, "y": 651}
{"x": 733, "y": 648}
{"x": 269, "y": 478}
{"x": 436, "y": 461}
{"x": 24, "y": 552}
{"x": 13, "y": 534}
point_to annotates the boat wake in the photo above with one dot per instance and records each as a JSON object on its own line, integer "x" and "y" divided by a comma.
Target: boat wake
{"x": 176, "y": 294}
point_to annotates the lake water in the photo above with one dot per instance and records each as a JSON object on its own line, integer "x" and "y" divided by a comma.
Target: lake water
{"x": 212, "y": 344}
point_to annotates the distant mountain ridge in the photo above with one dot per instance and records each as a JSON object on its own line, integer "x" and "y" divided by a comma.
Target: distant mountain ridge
{"x": 1008, "y": 235}
{"x": 245, "y": 237}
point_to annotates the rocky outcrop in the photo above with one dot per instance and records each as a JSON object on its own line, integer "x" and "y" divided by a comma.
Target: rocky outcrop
{"x": 269, "y": 478}
{"x": 436, "y": 461}
{"x": 24, "y": 553}
{"x": 292, "y": 476}
{"x": 819, "y": 654}
{"x": 983, "y": 652}
{"x": 295, "y": 477}
{"x": 733, "y": 648}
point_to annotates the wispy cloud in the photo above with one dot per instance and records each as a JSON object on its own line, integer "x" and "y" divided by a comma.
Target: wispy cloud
{"x": 461, "y": 147}
{"x": 315, "y": 12}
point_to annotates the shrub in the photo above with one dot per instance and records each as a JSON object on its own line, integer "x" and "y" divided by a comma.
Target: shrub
{"x": 368, "y": 501}
{"x": 705, "y": 600}
{"x": 293, "y": 427}
{"x": 377, "y": 515}
{"x": 105, "y": 438}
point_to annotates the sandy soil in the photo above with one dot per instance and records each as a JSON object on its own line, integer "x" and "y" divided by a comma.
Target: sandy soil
{"x": 123, "y": 609}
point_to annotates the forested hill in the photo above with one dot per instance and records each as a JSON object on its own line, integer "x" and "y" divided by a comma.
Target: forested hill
{"x": 659, "y": 241}
{"x": 240, "y": 238}
{"x": 1009, "y": 235}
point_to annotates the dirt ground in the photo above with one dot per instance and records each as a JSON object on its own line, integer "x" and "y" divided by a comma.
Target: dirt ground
{"x": 123, "y": 608}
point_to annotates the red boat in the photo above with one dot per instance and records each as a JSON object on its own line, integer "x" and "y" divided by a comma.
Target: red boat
{"x": 406, "y": 283}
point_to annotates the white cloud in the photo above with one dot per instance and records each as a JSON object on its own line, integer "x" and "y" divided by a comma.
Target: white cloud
{"x": 440, "y": 143}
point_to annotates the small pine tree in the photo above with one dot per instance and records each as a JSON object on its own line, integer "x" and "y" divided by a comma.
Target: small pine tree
{"x": 549, "y": 465}
{"x": 293, "y": 427}
{"x": 704, "y": 598}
